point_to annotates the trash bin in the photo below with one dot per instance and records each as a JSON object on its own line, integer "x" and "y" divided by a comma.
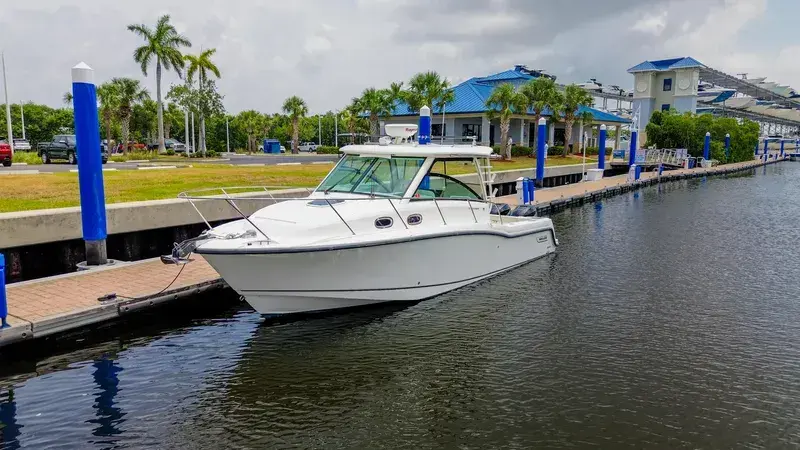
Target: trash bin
{"x": 272, "y": 146}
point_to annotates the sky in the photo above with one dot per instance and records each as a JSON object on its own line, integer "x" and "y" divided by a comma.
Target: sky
{"x": 328, "y": 51}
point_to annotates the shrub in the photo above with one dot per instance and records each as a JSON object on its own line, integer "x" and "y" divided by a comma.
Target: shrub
{"x": 211, "y": 154}
{"x": 170, "y": 152}
{"x": 327, "y": 150}
{"x": 556, "y": 150}
{"x": 26, "y": 157}
{"x": 516, "y": 150}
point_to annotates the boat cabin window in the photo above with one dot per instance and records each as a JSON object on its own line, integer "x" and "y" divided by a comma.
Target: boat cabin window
{"x": 372, "y": 175}
{"x": 437, "y": 185}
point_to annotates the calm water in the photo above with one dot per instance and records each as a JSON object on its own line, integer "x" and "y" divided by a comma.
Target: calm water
{"x": 667, "y": 319}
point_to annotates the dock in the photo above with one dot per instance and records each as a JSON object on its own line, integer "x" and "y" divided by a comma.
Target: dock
{"x": 47, "y": 306}
{"x": 548, "y": 201}
{"x": 52, "y": 305}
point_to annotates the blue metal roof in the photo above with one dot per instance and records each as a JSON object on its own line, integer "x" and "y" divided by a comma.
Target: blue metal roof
{"x": 661, "y": 65}
{"x": 471, "y": 96}
{"x": 505, "y": 76}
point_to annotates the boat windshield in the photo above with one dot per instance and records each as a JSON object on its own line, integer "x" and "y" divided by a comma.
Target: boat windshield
{"x": 372, "y": 175}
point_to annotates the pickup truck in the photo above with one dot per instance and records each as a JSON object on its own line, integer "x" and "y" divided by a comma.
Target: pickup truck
{"x": 63, "y": 146}
{"x": 5, "y": 153}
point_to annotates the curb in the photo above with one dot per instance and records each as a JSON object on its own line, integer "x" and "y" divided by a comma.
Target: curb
{"x": 157, "y": 167}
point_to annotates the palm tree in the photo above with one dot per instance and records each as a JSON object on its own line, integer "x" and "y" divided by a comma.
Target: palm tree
{"x": 201, "y": 65}
{"x": 108, "y": 96}
{"x": 541, "y": 93}
{"x": 251, "y": 122}
{"x": 128, "y": 92}
{"x": 67, "y": 98}
{"x": 505, "y": 101}
{"x": 568, "y": 105}
{"x": 295, "y": 107}
{"x": 162, "y": 42}
{"x": 396, "y": 92}
{"x": 173, "y": 114}
{"x": 378, "y": 104}
{"x": 350, "y": 116}
{"x": 426, "y": 89}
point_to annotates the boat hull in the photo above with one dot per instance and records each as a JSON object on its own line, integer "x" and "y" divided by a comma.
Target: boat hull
{"x": 291, "y": 282}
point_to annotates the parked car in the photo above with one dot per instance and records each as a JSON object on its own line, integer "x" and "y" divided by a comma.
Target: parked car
{"x": 63, "y": 146}
{"x": 133, "y": 145}
{"x": 170, "y": 144}
{"x": 5, "y": 153}
{"x": 22, "y": 145}
{"x": 308, "y": 147}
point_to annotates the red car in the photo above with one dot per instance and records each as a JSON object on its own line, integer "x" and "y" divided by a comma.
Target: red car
{"x": 5, "y": 153}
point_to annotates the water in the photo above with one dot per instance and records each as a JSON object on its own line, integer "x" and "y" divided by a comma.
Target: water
{"x": 667, "y": 319}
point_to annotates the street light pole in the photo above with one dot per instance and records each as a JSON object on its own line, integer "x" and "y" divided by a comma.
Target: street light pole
{"x": 8, "y": 105}
{"x": 319, "y": 127}
{"x": 336, "y": 128}
{"x": 227, "y": 135}
{"x": 22, "y": 117}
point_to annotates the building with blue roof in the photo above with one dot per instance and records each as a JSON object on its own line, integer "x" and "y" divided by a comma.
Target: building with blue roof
{"x": 663, "y": 85}
{"x": 467, "y": 116}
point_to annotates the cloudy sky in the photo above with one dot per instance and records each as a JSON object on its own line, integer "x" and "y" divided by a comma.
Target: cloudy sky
{"x": 328, "y": 51}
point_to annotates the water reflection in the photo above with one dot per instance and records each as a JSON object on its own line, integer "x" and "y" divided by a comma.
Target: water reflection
{"x": 109, "y": 416}
{"x": 9, "y": 429}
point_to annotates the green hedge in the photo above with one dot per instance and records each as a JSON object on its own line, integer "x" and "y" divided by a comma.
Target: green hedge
{"x": 516, "y": 150}
{"x": 327, "y": 150}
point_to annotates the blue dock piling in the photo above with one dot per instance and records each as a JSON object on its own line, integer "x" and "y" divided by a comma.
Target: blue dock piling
{"x": 727, "y": 147}
{"x": 781, "y": 148}
{"x": 424, "y": 132}
{"x": 526, "y": 191}
{"x": 632, "y": 156}
{"x": 540, "y": 155}
{"x": 531, "y": 190}
{"x": 601, "y": 149}
{"x": 90, "y": 164}
{"x": 766, "y": 149}
{"x": 707, "y": 147}
{"x": 3, "y": 297}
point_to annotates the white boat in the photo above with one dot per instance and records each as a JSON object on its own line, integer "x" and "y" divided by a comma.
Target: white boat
{"x": 386, "y": 224}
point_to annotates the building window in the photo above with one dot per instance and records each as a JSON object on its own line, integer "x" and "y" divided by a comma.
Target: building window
{"x": 439, "y": 129}
{"x": 667, "y": 84}
{"x": 665, "y": 107}
{"x": 469, "y": 129}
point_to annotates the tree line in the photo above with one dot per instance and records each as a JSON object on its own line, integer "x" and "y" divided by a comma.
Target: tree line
{"x": 129, "y": 113}
{"x": 671, "y": 129}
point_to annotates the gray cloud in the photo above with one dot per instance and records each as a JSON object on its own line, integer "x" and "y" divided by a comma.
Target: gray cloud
{"x": 328, "y": 51}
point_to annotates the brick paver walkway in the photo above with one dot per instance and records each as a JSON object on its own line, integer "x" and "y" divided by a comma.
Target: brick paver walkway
{"x": 36, "y": 300}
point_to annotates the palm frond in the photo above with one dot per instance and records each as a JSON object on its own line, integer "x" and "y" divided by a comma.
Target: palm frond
{"x": 141, "y": 30}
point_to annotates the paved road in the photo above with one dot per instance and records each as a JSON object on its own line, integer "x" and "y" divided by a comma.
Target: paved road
{"x": 228, "y": 159}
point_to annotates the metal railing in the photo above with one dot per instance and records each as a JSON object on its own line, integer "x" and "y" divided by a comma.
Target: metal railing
{"x": 441, "y": 140}
{"x": 256, "y": 194}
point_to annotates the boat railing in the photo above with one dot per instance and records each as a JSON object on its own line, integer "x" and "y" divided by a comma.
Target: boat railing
{"x": 278, "y": 194}
{"x": 441, "y": 140}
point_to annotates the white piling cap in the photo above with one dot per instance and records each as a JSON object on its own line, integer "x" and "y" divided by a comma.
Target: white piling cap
{"x": 603, "y": 127}
{"x": 82, "y": 73}
{"x": 425, "y": 111}
{"x": 542, "y": 121}
{"x": 708, "y": 134}
{"x": 727, "y": 135}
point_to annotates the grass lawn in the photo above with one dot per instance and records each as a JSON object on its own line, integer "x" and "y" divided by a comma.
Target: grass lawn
{"x": 28, "y": 192}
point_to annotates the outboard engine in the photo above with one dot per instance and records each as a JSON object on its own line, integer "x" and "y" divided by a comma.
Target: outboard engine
{"x": 500, "y": 209}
